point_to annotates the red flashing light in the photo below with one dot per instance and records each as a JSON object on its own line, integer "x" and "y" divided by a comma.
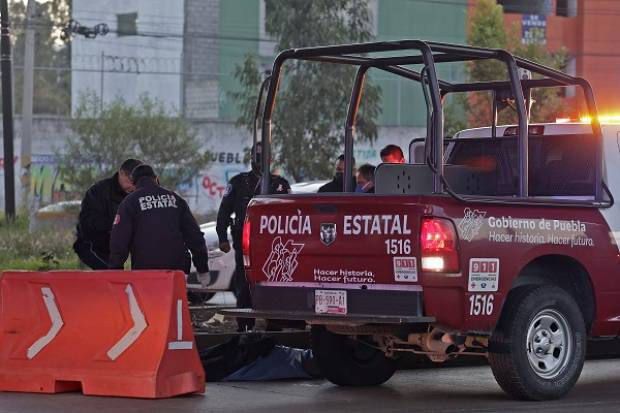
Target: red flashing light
{"x": 245, "y": 243}
{"x": 439, "y": 246}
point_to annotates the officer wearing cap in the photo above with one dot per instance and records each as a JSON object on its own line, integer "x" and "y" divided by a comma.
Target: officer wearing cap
{"x": 239, "y": 191}
{"x": 156, "y": 226}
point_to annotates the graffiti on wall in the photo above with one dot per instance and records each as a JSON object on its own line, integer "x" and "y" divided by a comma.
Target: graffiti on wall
{"x": 46, "y": 182}
{"x": 204, "y": 192}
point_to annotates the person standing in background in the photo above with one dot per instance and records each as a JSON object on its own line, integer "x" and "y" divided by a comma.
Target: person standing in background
{"x": 239, "y": 191}
{"x": 392, "y": 154}
{"x": 336, "y": 184}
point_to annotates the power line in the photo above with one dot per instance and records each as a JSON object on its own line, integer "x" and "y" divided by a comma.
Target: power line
{"x": 375, "y": 77}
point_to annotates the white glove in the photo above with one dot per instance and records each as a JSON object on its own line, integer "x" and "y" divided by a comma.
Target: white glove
{"x": 205, "y": 279}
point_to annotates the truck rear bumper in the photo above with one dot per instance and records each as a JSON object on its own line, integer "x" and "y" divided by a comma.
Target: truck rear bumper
{"x": 311, "y": 317}
{"x": 364, "y": 306}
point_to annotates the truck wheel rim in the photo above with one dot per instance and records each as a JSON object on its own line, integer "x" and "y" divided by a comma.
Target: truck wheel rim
{"x": 549, "y": 343}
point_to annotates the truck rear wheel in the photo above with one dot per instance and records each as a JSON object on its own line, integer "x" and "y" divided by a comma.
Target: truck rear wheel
{"x": 348, "y": 361}
{"x": 538, "y": 350}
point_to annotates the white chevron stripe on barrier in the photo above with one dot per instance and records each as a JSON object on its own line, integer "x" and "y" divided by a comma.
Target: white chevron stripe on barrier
{"x": 57, "y": 323}
{"x": 139, "y": 325}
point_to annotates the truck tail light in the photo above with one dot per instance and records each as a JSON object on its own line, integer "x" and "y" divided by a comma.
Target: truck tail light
{"x": 439, "y": 246}
{"x": 245, "y": 243}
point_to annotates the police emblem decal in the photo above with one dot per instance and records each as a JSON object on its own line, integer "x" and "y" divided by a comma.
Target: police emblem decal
{"x": 328, "y": 234}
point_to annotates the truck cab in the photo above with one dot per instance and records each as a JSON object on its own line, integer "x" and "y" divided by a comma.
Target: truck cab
{"x": 502, "y": 242}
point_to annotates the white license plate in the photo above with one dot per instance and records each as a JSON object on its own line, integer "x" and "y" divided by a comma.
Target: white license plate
{"x": 330, "y": 302}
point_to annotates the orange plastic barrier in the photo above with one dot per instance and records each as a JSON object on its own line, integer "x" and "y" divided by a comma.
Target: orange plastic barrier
{"x": 109, "y": 333}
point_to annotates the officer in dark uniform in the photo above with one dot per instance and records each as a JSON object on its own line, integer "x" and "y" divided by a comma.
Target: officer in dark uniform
{"x": 337, "y": 183}
{"x": 239, "y": 191}
{"x": 156, "y": 226}
{"x": 97, "y": 213}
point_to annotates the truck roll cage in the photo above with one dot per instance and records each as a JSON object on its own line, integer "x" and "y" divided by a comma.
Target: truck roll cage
{"x": 363, "y": 55}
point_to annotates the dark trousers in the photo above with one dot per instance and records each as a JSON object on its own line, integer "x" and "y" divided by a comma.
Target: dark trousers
{"x": 241, "y": 290}
{"x": 92, "y": 258}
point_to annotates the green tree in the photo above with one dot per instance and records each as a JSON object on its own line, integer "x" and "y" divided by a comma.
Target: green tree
{"x": 487, "y": 30}
{"x": 52, "y": 88}
{"x": 105, "y": 136}
{"x": 312, "y": 102}
{"x": 548, "y": 103}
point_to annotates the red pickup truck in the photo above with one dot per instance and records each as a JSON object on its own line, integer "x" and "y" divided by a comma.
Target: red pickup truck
{"x": 500, "y": 242}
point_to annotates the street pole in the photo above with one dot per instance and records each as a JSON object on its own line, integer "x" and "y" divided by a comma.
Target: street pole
{"x": 7, "y": 112}
{"x": 26, "y": 149}
{"x": 101, "y": 80}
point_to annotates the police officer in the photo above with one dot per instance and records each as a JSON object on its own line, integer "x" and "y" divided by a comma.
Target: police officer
{"x": 239, "y": 191}
{"x": 337, "y": 182}
{"x": 97, "y": 213}
{"x": 156, "y": 226}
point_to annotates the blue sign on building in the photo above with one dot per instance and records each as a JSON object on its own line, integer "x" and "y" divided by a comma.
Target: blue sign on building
{"x": 533, "y": 28}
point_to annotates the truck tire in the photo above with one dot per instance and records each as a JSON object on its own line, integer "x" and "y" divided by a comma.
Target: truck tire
{"x": 538, "y": 350}
{"x": 348, "y": 361}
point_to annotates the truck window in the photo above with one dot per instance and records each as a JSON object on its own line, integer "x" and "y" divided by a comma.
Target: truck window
{"x": 559, "y": 165}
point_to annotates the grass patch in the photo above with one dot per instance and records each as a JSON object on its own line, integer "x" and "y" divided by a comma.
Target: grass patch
{"x": 40, "y": 250}
{"x": 36, "y": 264}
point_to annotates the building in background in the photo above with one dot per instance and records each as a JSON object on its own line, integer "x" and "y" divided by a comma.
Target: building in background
{"x": 586, "y": 30}
{"x": 184, "y": 53}
{"x": 201, "y": 57}
{"x": 242, "y": 30}
{"x": 142, "y": 53}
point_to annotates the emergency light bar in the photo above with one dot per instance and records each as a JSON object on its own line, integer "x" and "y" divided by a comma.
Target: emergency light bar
{"x": 608, "y": 119}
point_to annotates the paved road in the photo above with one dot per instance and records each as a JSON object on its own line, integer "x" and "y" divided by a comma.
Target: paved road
{"x": 445, "y": 390}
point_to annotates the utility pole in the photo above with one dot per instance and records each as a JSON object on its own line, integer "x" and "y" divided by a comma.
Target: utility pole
{"x": 26, "y": 150}
{"x": 7, "y": 111}
{"x": 102, "y": 67}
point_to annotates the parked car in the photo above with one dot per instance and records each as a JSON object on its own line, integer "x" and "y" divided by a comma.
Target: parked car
{"x": 221, "y": 264}
{"x": 62, "y": 214}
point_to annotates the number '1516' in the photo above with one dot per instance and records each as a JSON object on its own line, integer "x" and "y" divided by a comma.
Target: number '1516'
{"x": 398, "y": 246}
{"x": 481, "y": 304}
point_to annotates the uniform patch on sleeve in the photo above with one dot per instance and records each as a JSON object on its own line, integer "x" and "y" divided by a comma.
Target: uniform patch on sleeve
{"x": 117, "y": 219}
{"x": 228, "y": 190}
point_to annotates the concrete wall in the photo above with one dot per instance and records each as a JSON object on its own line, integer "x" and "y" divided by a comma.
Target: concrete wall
{"x": 226, "y": 143}
{"x": 48, "y": 134}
